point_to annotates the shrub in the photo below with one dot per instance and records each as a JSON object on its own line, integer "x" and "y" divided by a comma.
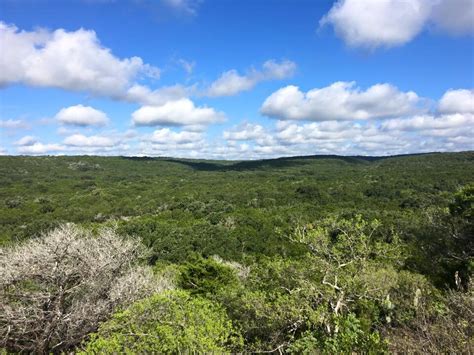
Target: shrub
{"x": 207, "y": 276}
{"x": 350, "y": 338}
{"x": 171, "y": 322}
{"x": 13, "y": 203}
{"x": 55, "y": 289}
{"x": 445, "y": 328}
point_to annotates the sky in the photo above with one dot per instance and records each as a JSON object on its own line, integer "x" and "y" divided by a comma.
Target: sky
{"x": 249, "y": 79}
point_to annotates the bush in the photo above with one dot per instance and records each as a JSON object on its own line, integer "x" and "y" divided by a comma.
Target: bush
{"x": 445, "y": 328}
{"x": 172, "y": 322}
{"x": 55, "y": 289}
{"x": 207, "y": 276}
{"x": 350, "y": 338}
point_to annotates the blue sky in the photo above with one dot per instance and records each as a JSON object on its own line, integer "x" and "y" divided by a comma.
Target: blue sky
{"x": 236, "y": 79}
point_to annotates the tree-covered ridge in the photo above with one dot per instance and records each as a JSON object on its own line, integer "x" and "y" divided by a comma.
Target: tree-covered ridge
{"x": 37, "y": 192}
{"x": 319, "y": 254}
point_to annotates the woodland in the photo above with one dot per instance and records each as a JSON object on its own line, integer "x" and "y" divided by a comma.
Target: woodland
{"x": 312, "y": 254}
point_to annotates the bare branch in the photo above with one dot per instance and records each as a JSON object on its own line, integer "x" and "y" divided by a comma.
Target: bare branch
{"x": 54, "y": 290}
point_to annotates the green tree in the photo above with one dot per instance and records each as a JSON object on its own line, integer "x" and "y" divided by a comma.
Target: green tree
{"x": 172, "y": 322}
{"x": 444, "y": 245}
{"x": 207, "y": 276}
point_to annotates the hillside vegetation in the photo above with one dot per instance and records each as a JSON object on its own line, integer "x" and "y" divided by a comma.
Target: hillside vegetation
{"x": 322, "y": 254}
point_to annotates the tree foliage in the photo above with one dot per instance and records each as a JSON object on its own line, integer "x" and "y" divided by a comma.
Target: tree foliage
{"x": 206, "y": 276}
{"x": 172, "y": 322}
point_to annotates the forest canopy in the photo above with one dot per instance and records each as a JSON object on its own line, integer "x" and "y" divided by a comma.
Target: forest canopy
{"x": 321, "y": 254}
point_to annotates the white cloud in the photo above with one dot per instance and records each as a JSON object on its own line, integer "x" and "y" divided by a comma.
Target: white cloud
{"x": 457, "y": 101}
{"x": 76, "y": 61}
{"x": 464, "y": 122}
{"x": 68, "y": 60}
{"x": 112, "y": 142}
{"x": 366, "y": 139}
{"x": 400, "y": 135}
{"x": 453, "y": 120}
{"x": 80, "y": 140}
{"x": 80, "y": 115}
{"x": 292, "y": 139}
{"x": 419, "y": 133}
{"x": 273, "y": 70}
{"x": 165, "y": 142}
{"x": 27, "y": 141}
{"x": 461, "y": 142}
{"x": 12, "y": 124}
{"x": 251, "y": 133}
{"x": 40, "y": 148}
{"x": 167, "y": 136}
{"x": 454, "y": 16}
{"x": 188, "y": 66}
{"x": 340, "y": 101}
{"x": 245, "y": 131}
{"x": 181, "y": 112}
{"x": 373, "y": 23}
{"x": 317, "y": 132}
{"x": 143, "y": 95}
{"x": 188, "y": 7}
{"x": 388, "y": 23}
{"x": 231, "y": 82}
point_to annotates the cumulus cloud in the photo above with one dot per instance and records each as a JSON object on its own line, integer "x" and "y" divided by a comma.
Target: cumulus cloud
{"x": 166, "y": 142}
{"x": 26, "y": 141}
{"x": 231, "y": 82}
{"x": 278, "y": 70}
{"x": 430, "y": 122}
{"x": 454, "y": 16}
{"x": 167, "y": 136}
{"x": 373, "y": 23}
{"x": 370, "y": 138}
{"x": 80, "y": 115}
{"x": 111, "y": 142}
{"x": 80, "y": 140}
{"x": 456, "y": 101}
{"x": 40, "y": 148}
{"x": 388, "y": 23}
{"x": 77, "y": 61}
{"x": 180, "y": 112}
{"x": 452, "y": 129}
{"x": 12, "y": 124}
{"x": 401, "y": 135}
{"x": 145, "y": 96}
{"x": 288, "y": 138}
{"x": 239, "y": 137}
{"x": 453, "y": 119}
{"x": 316, "y": 132}
{"x": 340, "y": 101}
{"x": 68, "y": 60}
{"x": 245, "y": 131}
{"x": 293, "y": 139}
